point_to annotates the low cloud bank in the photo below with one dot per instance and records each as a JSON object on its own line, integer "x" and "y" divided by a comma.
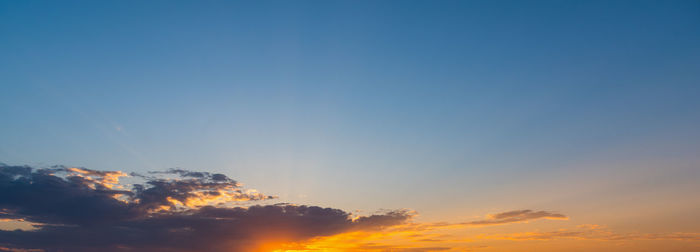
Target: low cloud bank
{"x": 79, "y": 209}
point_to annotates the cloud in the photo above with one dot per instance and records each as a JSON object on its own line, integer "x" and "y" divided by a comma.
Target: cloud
{"x": 516, "y": 216}
{"x": 594, "y": 232}
{"x": 78, "y": 209}
{"x": 509, "y": 217}
{"x": 412, "y": 236}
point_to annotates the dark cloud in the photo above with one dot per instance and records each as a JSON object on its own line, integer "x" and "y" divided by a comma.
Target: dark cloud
{"x": 78, "y": 209}
{"x": 516, "y": 216}
{"x": 203, "y": 175}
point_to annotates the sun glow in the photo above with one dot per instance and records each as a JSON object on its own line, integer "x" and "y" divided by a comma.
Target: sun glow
{"x": 401, "y": 237}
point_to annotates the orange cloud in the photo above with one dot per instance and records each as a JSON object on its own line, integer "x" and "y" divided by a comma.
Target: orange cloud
{"x": 106, "y": 179}
{"x": 417, "y": 236}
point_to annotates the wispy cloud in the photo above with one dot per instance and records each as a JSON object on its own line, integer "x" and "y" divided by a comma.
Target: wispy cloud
{"x": 515, "y": 217}
{"x": 412, "y": 236}
{"x": 509, "y": 217}
{"x": 593, "y": 232}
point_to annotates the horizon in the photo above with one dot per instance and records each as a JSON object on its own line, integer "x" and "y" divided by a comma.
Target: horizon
{"x": 186, "y": 126}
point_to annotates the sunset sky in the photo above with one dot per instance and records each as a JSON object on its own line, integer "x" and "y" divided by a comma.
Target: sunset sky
{"x": 350, "y": 125}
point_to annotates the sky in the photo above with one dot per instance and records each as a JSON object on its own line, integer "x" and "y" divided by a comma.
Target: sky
{"x": 579, "y": 118}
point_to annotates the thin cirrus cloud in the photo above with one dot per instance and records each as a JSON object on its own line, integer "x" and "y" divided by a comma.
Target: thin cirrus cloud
{"x": 516, "y": 216}
{"x": 425, "y": 236}
{"x": 593, "y": 232}
{"x": 412, "y": 236}
{"x": 78, "y": 209}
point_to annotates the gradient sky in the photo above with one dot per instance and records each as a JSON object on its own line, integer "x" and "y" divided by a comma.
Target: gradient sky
{"x": 454, "y": 109}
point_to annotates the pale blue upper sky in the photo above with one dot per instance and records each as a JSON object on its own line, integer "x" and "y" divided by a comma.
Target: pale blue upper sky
{"x": 438, "y": 106}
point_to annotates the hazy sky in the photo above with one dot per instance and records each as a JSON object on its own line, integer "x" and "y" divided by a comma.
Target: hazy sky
{"x": 455, "y": 109}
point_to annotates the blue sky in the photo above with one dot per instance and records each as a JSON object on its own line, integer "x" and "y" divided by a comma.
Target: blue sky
{"x": 362, "y": 104}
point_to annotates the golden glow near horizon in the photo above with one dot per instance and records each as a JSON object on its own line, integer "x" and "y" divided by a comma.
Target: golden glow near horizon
{"x": 277, "y": 227}
{"x": 466, "y": 237}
